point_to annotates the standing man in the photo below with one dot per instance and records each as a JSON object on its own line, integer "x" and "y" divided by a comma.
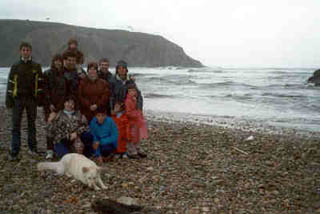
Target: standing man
{"x": 73, "y": 47}
{"x": 106, "y": 75}
{"x": 104, "y": 72}
{"x": 70, "y": 73}
{"x": 23, "y": 91}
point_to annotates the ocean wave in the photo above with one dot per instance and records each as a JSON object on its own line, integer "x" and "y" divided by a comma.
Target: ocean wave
{"x": 269, "y": 94}
{"x": 140, "y": 75}
{"x": 177, "y": 80}
{"x": 226, "y": 84}
{"x": 295, "y": 85}
{"x": 155, "y": 95}
{"x": 3, "y": 79}
{"x": 204, "y": 71}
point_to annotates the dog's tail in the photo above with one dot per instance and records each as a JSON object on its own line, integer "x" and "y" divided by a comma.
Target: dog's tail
{"x": 55, "y": 166}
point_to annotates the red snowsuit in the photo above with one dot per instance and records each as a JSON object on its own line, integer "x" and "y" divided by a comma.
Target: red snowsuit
{"x": 123, "y": 131}
{"x": 138, "y": 127}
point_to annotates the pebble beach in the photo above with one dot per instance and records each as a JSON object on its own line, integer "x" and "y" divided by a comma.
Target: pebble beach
{"x": 192, "y": 167}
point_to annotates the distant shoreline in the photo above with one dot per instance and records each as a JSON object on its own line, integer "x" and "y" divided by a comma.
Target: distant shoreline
{"x": 249, "y": 126}
{"x": 231, "y": 123}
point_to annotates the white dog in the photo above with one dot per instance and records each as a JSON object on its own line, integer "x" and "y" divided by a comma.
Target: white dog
{"x": 76, "y": 166}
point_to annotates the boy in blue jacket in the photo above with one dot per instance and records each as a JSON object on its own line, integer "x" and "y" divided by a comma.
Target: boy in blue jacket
{"x": 105, "y": 135}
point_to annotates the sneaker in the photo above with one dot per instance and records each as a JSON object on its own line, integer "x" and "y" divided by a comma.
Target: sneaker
{"x": 32, "y": 153}
{"x": 124, "y": 156}
{"x": 136, "y": 156}
{"x": 49, "y": 154}
{"x": 99, "y": 160}
{"x": 117, "y": 156}
{"x": 13, "y": 158}
{"x": 108, "y": 158}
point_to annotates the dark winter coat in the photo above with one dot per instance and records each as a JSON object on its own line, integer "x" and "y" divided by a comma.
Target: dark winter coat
{"x": 111, "y": 81}
{"x": 55, "y": 89}
{"x": 72, "y": 79}
{"x": 120, "y": 91}
{"x": 25, "y": 80}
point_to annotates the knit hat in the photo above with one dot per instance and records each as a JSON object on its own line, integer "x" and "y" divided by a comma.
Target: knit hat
{"x": 122, "y": 63}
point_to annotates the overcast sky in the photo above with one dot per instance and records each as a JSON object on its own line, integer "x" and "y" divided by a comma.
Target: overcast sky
{"x": 228, "y": 33}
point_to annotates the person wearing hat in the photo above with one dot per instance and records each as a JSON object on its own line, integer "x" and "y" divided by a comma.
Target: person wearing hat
{"x": 120, "y": 86}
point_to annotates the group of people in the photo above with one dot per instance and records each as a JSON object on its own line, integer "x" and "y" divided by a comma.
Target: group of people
{"x": 91, "y": 112}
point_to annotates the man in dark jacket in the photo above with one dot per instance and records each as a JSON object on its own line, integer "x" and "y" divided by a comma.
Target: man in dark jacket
{"x": 70, "y": 74}
{"x": 106, "y": 75}
{"x": 24, "y": 92}
{"x": 73, "y": 47}
{"x": 104, "y": 72}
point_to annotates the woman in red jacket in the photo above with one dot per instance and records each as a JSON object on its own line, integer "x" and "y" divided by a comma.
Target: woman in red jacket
{"x": 93, "y": 92}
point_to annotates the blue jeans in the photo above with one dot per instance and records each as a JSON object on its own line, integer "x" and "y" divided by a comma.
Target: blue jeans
{"x": 65, "y": 146}
{"x": 17, "y": 111}
{"x": 105, "y": 150}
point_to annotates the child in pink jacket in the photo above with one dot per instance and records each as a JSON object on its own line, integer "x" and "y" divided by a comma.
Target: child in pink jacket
{"x": 138, "y": 127}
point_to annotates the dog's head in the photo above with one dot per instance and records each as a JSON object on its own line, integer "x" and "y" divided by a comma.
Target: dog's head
{"x": 91, "y": 174}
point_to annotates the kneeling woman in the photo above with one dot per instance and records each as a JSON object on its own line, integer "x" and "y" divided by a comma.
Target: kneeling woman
{"x": 69, "y": 130}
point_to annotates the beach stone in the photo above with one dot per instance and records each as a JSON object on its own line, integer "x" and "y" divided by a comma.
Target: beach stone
{"x": 150, "y": 168}
{"x": 127, "y": 200}
{"x": 86, "y": 205}
{"x": 250, "y": 138}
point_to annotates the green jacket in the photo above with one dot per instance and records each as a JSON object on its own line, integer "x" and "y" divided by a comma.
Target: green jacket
{"x": 25, "y": 80}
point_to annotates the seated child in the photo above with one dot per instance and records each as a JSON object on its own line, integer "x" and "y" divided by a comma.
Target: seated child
{"x": 105, "y": 135}
{"x": 138, "y": 127}
{"x": 120, "y": 118}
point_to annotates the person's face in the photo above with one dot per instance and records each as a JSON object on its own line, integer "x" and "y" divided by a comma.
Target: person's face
{"x": 104, "y": 66}
{"x": 92, "y": 73}
{"x": 25, "y": 52}
{"x": 70, "y": 62}
{"x": 122, "y": 71}
{"x": 57, "y": 64}
{"x": 118, "y": 107}
{"x": 69, "y": 105}
{"x": 73, "y": 46}
{"x": 132, "y": 92}
{"x": 101, "y": 117}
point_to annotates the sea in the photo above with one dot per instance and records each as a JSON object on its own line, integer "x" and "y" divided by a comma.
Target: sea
{"x": 275, "y": 97}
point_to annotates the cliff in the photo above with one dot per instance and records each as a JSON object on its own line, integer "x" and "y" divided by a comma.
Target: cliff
{"x": 47, "y": 39}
